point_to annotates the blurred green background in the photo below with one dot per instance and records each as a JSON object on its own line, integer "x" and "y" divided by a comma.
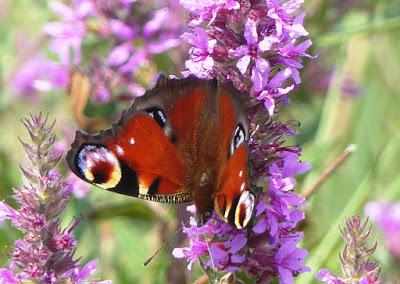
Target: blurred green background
{"x": 350, "y": 95}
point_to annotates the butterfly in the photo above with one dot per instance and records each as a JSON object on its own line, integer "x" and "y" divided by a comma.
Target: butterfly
{"x": 185, "y": 140}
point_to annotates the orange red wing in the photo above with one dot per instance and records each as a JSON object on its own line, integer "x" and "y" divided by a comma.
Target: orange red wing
{"x": 234, "y": 201}
{"x": 132, "y": 158}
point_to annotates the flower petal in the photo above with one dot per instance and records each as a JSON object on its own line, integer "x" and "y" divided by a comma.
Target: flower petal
{"x": 267, "y": 43}
{"x": 62, "y": 10}
{"x": 243, "y": 63}
{"x": 250, "y": 32}
{"x": 119, "y": 54}
{"x": 269, "y": 104}
{"x": 121, "y": 30}
{"x": 238, "y": 52}
{"x": 87, "y": 270}
{"x": 257, "y": 79}
{"x": 285, "y": 276}
{"x": 6, "y": 212}
{"x": 178, "y": 253}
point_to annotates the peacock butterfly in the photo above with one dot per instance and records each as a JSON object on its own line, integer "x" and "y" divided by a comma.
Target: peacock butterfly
{"x": 184, "y": 140}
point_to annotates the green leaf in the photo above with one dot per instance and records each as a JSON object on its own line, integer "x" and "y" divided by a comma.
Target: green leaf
{"x": 135, "y": 209}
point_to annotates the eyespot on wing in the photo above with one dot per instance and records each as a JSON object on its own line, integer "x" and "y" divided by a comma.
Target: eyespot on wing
{"x": 99, "y": 166}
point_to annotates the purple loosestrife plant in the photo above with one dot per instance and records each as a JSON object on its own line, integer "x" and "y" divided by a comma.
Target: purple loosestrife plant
{"x": 45, "y": 254}
{"x": 355, "y": 257}
{"x": 253, "y": 44}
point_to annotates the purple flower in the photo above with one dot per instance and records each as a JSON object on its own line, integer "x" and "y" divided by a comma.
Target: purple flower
{"x": 121, "y": 30}
{"x": 39, "y": 74}
{"x": 68, "y": 34}
{"x": 207, "y": 10}
{"x": 127, "y": 3}
{"x": 7, "y": 275}
{"x": 136, "y": 36}
{"x": 6, "y": 212}
{"x": 289, "y": 260}
{"x": 198, "y": 244}
{"x": 284, "y": 21}
{"x": 119, "y": 55}
{"x": 137, "y": 59}
{"x": 45, "y": 254}
{"x": 326, "y": 276}
{"x": 387, "y": 217}
{"x": 80, "y": 189}
{"x": 349, "y": 87}
{"x": 86, "y": 271}
{"x": 162, "y": 18}
{"x": 252, "y": 51}
{"x": 268, "y": 97}
{"x": 260, "y": 42}
{"x": 276, "y": 217}
{"x": 201, "y": 62}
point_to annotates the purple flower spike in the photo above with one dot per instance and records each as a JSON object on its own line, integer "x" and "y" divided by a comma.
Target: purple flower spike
{"x": 260, "y": 39}
{"x": 255, "y": 45}
{"x": 45, "y": 254}
{"x": 355, "y": 257}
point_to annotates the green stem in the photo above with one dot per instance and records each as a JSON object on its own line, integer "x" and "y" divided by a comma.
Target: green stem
{"x": 378, "y": 26}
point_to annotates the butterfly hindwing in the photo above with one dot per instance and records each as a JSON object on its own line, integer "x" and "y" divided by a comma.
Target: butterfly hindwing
{"x": 234, "y": 201}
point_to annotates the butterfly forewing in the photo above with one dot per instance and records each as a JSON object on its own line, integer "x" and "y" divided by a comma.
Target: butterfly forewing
{"x": 134, "y": 158}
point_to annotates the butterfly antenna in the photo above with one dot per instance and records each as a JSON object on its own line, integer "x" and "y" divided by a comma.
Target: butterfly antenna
{"x": 164, "y": 244}
{"x": 209, "y": 252}
{"x": 208, "y": 248}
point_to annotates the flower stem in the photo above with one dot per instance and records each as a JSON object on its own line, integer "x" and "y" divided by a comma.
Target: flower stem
{"x": 350, "y": 149}
{"x": 377, "y": 26}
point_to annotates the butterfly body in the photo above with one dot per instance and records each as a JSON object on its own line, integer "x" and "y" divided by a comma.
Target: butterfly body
{"x": 184, "y": 140}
